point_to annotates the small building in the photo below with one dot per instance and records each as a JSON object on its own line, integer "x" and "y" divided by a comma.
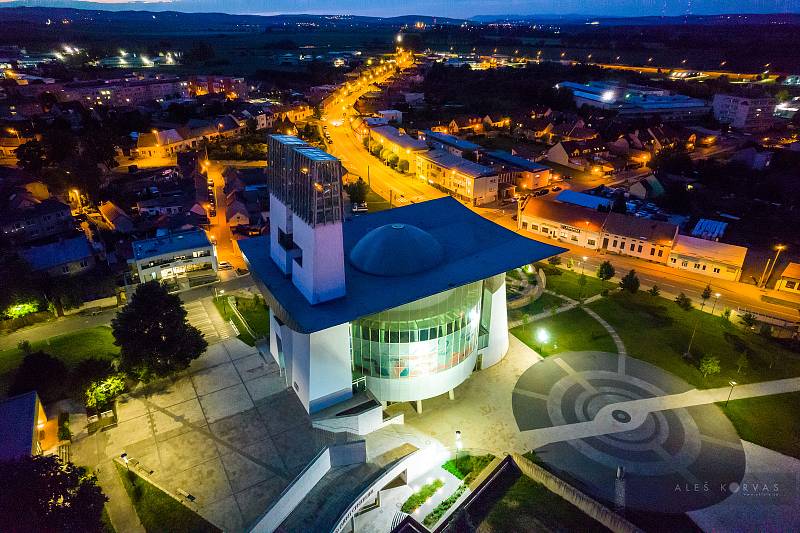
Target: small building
{"x": 451, "y": 143}
{"x": 42, "y": 219}
{"x": 523, "y": 173}
{"x": 116, "y": 218}
{"x": 24, "y": 427}
{"x": 638, "y": 237}
{"x": 173, "y": 255}
{"x": 790, "y": 279}
{"x": 712, "y": 230}
{"x": 710, "y": 258}
{"x": 580, "y": 226}
{"x": 397, "y": 142}
{"x": 568, "y": 196}
{"x": 391, "y": 115}
{"x": 65, "y": 257}
{"x": 236, "y": 211}
{"x": 647, "y": 188}
{"x": 754, "y": 158}
{"x": 463, "y": 179}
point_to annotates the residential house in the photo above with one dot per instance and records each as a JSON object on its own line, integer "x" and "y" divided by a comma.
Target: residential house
{"x": 230, "y": 86}
{"x": 518, "y": 171}
{"x": 638, "y": 237}
{"x": 710, "y": 258}
{"x": 754, "y": 158}
{"x": 581, "y": 155}
{"x": 452, "y": 144}
{"x": 581, "y": 226}
{"x": 465, "y": 124}
{"x": 65, "y": 257}
{"x": 463, "y": 179}
{"x": 24, "y": 427}
{"x": 236, "y": 212}
{"x": 790, "y": 279}
{"x": 42, "y": 219}
{"x": 647, "y": 188}
{"x": 116, "y": 218}
{"x": 391, "y": 115}
{"x": 174, "y": 255}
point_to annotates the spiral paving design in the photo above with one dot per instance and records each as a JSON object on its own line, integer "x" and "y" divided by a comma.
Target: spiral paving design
{"x": 665, "y": 455}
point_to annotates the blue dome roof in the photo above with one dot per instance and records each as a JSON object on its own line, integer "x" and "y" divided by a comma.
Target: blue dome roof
{"x": 396, "y": 250}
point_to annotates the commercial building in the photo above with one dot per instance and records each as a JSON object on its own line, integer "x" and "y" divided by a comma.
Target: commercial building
{"x": 711, "y": 258}
{"x": 638, "y": 237}
{"x": 463, "y": 179}
{"x": 522, "y": 173}
{"x": 123, "y": 92}
{"x": 227, "y": 85}
{"x": 790, "y": 279}
{"x": 406, "y": 301}
{"x": 636, "y": 100}
{"x": 174, "y": 255}
{"x": 450, "y": 143}
{"x": 405, "y": 147}
{"x": 573, "y": 224}
{"x": 743, "y": 113}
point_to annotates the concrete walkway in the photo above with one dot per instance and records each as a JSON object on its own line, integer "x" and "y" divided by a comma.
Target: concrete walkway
{"x": 611, "y": 331}
{"x": 569, "y": 305}
{"x": 120, "y": 509}
{"x": 604, "y": 423}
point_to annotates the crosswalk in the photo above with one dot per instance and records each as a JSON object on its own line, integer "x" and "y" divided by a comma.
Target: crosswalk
{"x": 208, "y": 321}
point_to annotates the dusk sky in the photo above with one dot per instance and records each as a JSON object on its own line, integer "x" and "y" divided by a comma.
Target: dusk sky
{"x": 451, "y": 8}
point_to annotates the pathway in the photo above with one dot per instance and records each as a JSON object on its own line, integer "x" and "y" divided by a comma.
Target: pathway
{"x": 611, "y": 331}
{"x": 120, "y": 509}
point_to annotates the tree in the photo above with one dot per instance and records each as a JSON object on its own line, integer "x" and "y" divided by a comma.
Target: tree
{"x": 605, "y": 271}
{"x": 357, "y": 191}
{"x": 742, "y": 362}
{"x": 630, "y": 282}
{"x": 705, "y": 295}
{"x": 100, "y": 393}
{"x": 41, "y": 493}
{"x": 765, "y": 330}
{"x": 619, "y": 205}
{"x": 403, "y": 166}
{"x": 582, "y": 281}
{"x": 154, "y": 337}
{"x": 32, "y": 157}
{"x": 554, "y": 260}
{"x": 42, "y": 373}
{"x": 654, "y": 291}
{"x": 683, "y": 301}
{"x": 709, "y": 366}
{"x": 749, "y": 320}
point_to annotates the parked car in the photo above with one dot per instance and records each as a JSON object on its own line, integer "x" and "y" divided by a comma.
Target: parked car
{"x": 360, "y": 208}
{"x": 224, "y": 265}
{"x": 556, "y": 188}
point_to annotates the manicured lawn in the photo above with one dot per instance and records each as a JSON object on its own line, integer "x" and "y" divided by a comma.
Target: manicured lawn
{"x": 565, "y": 282}
{"x": 573, "y": 330}
{"x": 221, "y": 303}
{"x": 421, "y": 496}
{"x": 769, "y": 421}
{"x": 71, "y": 348}
{"x": 256, "y": 313}
{"x": 656, "y": 330}
{"x": 157, "y": 511}
{"x": 375, "y": 202}
{"x": 528, "y": 506}
{"x": 467, "y": 467}
{"x": 544, "y": 303}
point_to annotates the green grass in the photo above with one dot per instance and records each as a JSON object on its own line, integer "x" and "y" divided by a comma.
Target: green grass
{"x": 221, "y": 303}
{"x": 108, "y": 527}
{"x": 157, "y": 511}
{"x": 544, "y": 303}
{"x": 376, "y": 202}
{"x": 528, "y": 506}
{"x": 572, "y": 330}
{"x": 434, "y": 516}
{"x": 769, "y": 421}
{"x": 71, "y": 348}
{"x": 421, "y": 496}
{"x": 467, "y": 467}
{"x": 566, "y": 282}
{"x": 656, "y": 330}
{"x": 256, "y": 312}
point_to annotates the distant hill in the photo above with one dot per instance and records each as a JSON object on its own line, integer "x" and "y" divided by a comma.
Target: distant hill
{"x": 717, "y": 20}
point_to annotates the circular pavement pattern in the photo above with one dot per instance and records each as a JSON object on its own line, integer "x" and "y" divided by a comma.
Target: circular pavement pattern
{"x": 674, "y": 460}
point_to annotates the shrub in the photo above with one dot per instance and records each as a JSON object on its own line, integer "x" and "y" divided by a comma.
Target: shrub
{"x": 467, "y": 467}
{"x": 555, "y": 260}
{"x": 654, "y": 291}
{"x": 442, "y": 508}
{"x": 605, "y": 271}
{"x": 630, "y": 282}
{"x": 683, "y": 301}
{"x": 25, "y": 347}
{"x": 709, "y": 366}
{"x": 749, "y": 320}
{"x": 100, "y": 393}
{"x": 392, "y": 160}
{"x": 765, "y": 331}
{"x": 726, "y": 314}
{"x": 421, "y": 496}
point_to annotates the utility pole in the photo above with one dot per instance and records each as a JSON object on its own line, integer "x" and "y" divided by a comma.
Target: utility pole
{"x": 779, "y": 248}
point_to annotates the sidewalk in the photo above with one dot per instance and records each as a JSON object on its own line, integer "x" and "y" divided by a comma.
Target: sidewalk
{"x": 120, "y": 509}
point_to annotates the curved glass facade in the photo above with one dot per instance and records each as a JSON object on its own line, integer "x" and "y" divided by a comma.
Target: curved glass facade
{"x": 420, "y": 338}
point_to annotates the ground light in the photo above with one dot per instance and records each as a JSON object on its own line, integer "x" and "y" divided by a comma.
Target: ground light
{"x": 542, "y": 336}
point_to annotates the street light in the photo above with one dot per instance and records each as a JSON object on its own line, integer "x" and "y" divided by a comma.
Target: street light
{"x": 732, "y": 384}
{"x": 583, "y": 263}
{"x": 459, "y": 445}
{"x": 778, "y": 249}
{"x": 542, "y": 336}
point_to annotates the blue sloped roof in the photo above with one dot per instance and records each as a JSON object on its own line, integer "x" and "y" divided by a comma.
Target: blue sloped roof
{"x": 517, "y": 161}
{"x": 474, "y": 248}
{"x": 568, "y": 196}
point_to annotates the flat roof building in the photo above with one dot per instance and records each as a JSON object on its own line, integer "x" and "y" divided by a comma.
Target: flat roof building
{"x": 174, "y": 255}
{"x": 743, "y": 113}
{"x": 790, "y": 279}
{"x": 459, "y": 177}
{"x": 577, "y": 225}
{"x": 710, "y": 258}
{"x": 414, "y": 299}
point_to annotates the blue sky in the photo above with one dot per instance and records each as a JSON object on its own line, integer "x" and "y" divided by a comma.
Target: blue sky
{"x": 451, "y": 8}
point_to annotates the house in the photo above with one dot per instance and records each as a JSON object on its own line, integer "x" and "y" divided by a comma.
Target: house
{"x": 451, "y": 143}
{"x": 522, "y": 173}
{"x": 790, "y": 279}
{"x": 174, "y": 255}
{"x": 710, "y": 258}
{"x": 539, "y": 128}
{"x": 465, "y": 124}
{"x": 754, "y": 158}
{"x": 463, "y": 179}
{"x": 646, "y": 188}
{"x": 116, "y": 218}
{"x": 229, "y": 86}
{"x": 391, "y": 115}
{"x": 42, "y": 219}
{"x": 65, "y": 257}
{"x": 24, "y": 427}
{"x": 236, "y": 212}
{"x": 574, "y": 224}
{"x": 580, "y": 155}
{"x": 638, "y": 237}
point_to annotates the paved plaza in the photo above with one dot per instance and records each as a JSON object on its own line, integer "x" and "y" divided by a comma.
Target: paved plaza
{"x": 674, "y": 460}
{"x": 230, "y": 433}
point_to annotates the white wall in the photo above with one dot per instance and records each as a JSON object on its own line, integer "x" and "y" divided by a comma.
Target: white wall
{"x": 331, "y": 380}
{"x": 498, "y": 329}
{"x": 321, "y": 276}
{"x": 279, "y": 219}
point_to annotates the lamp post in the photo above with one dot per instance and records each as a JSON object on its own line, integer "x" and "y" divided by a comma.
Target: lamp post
{"x": 542, "y": 336}
{"x": 459, "y": 445}
{"x": 125, "y": 460}
{"x": 778, "y": 249}
{"x": 583, "y": 263}
{"x": 732, "y": 384}
{"x": 716, "y": 299}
